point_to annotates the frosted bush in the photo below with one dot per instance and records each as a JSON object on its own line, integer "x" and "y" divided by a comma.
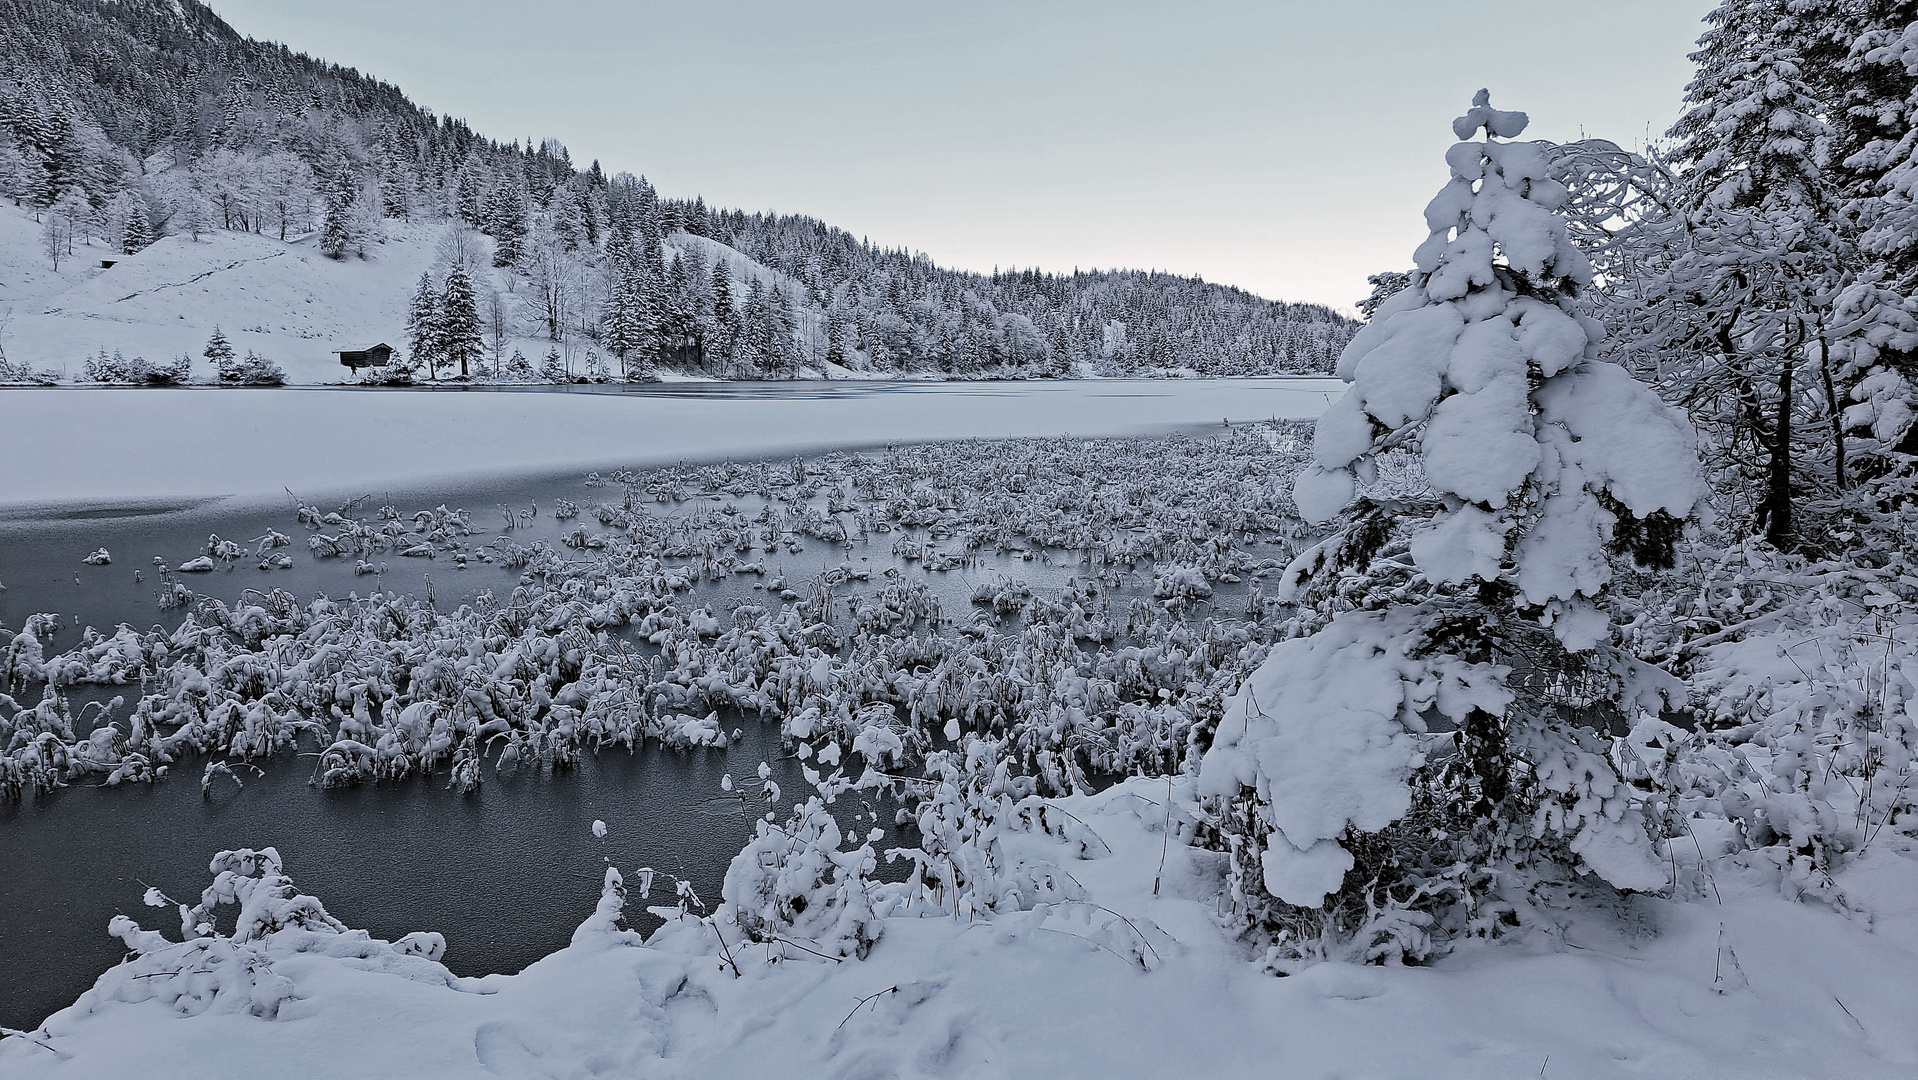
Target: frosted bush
{"x": 251, "y": 370}
{"x": 974, "y": 804}
{"x": 235, "y": 973}
{"x": 793, "y": 883}
{"x": 118, "y": 369}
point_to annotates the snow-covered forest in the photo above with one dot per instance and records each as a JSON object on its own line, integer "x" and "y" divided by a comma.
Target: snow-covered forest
{"x": 1551, "y": 709}
{"x": 121, "y": 123}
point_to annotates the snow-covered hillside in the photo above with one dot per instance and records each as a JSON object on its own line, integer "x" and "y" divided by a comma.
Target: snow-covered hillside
{"x": 285, "y": 301}
{"x": 282, "y": 299}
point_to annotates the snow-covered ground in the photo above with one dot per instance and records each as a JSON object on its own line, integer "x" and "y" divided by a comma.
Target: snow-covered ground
{"x": 1118, "y": 982}
{"x": 285, "y": 301}
{"x": 92, "y": 445}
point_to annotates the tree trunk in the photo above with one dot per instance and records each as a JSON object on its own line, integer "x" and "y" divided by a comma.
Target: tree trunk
{"x": 1837, "y": 416}
{"x": 1778, "y": 523}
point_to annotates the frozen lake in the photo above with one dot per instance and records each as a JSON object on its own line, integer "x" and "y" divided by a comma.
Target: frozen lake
{"x": 508, "y": 872}
{"x": 122, "y": 449}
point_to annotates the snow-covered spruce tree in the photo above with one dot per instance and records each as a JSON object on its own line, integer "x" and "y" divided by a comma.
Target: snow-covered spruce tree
{"x": 1879, "y": 129}
{"x": 456, "y": 328}
{"x": 1485, "y": 468}
{"x": 505, "y": 220}
{"x": 1763, "y": 255}
{"x": 1879, "y": 174}
{"x": 336, "y": 230}
{"x": 422, "y": 321}
{"x": 135, "y": 223}
{"x": 219, "y": 350}
{"x": 630, "y": 316}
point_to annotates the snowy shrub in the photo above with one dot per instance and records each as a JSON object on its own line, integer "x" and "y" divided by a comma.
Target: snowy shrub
{"x": 793, "y": 883}
{"x": 1481, "y": 574}
{"x": 1803, "y": 746}
{"x": 972, "y": 808}
{"x": 117, "y": 369}
{"x": 18, "y": 373}
{"x": 252, "y": 370}
{"x": 401, "y": 371}
{"x": 234, "y": 973}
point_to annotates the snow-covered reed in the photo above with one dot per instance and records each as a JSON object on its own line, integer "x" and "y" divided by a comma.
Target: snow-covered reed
{"x": 610, "y": 644}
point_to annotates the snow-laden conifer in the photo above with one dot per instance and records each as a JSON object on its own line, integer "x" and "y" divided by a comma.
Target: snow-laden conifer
{"x": 422, "y": 321}
{"x": 456, "y": 336}
{"x": 1485, "y": 468}
{"x": 1534, "y": 455}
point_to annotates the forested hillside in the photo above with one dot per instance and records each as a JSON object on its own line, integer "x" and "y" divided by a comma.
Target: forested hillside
{"x": 122, "y": 122}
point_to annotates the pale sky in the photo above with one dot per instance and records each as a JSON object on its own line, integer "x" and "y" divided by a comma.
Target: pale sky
{"x": 1285, "y": 147}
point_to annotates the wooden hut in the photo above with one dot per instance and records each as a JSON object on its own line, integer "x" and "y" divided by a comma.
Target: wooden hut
{"x": 356, "y": 357}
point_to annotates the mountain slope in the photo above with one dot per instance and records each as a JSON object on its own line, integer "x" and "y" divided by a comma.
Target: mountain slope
{"x": 126, "y": 120}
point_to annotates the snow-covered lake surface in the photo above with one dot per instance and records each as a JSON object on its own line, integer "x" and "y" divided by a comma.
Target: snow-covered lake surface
{"x": 148, "y": 447}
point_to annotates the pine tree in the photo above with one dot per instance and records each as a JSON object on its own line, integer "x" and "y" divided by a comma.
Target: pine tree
{"x": 136, "y": 226}
{"x": 505, "y": 220}
{"x": 422, "y": 327}
{"x": 219, "y": 350}
{"x": 835, "y": 335}
{"x": 1538, "y": 461}
{"x": 1754, "y": 134}
{"x": 1763, "y": 250}
{"x": 630, "y": 318}
{"x": 569, "y": 224}
{"x": 718, "y": 347}
{"x": 456, "y": 330}
{"x": 336, "y": 230}
{"x": 1878, "y": 139}
{"x": 755, "y": 349}
{"x": 60, "y": 158}
{"x": 679, "y": 319}
{"x": 466, "y": 199}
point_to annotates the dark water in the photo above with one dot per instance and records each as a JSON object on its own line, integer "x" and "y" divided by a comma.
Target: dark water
{"x": 505, "y": 874}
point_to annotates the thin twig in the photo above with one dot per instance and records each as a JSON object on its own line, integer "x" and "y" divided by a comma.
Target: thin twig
{"x": 802, "y": 948}
{"x": 12, "y": 1033}
{"x": 862, "y": 1003}
{"x": 724, "y": 951}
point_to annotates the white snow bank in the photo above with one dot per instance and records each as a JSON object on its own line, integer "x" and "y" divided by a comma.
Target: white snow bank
{"x": 73, "y": 445}
{"x": 1623, "y": 992}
